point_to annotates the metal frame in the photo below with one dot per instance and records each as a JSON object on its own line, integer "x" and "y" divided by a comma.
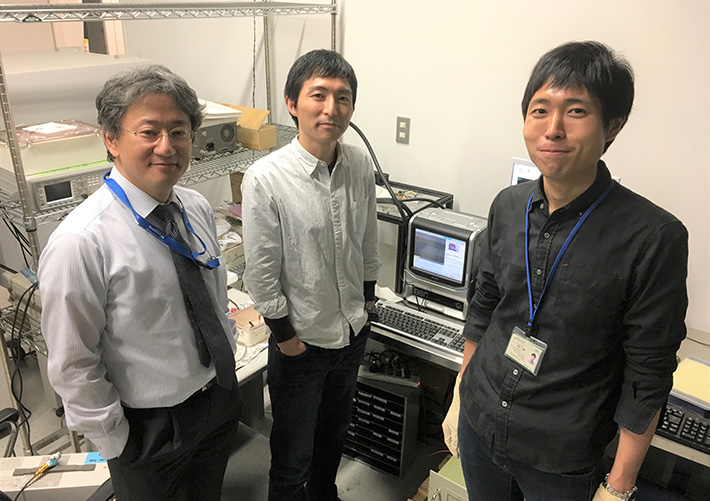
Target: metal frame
{"x": 123, "y": 12}
{"x": 200, "y": 171}
{"x": 205, "y": 169}
{"x": 390, "y": 214}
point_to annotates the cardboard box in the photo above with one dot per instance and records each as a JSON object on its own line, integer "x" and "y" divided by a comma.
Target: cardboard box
{"x": 261, "y": 139}
{"x": 252, "y": 132}
{"x": 235, "y": 180}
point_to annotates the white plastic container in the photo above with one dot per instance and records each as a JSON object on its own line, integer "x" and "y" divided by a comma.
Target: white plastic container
{"x": 54, "y": 145}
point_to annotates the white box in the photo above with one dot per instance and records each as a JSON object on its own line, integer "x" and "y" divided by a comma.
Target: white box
{"x": 54, "y": 145}
{"x": 448, "y": 483}
{"x": 251, "y": 326}
{"x": 59, "y": 84}
{"x": 54, "y": 486}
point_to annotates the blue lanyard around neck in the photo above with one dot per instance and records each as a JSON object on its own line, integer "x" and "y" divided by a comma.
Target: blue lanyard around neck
{"x": 160, "y": 234}
{"x": 553, "y": 269}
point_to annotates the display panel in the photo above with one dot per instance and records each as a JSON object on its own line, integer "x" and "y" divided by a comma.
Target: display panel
{"x": 58, "y": 191}
{"x": 440, "y": 255}
{"x": 523, "y": 171}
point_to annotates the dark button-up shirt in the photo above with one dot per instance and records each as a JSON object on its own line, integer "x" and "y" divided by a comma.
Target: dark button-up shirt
{"x": 612, "y": 317}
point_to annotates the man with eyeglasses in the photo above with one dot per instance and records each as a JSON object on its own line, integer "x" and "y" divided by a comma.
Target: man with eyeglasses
{"x": 134, "y": 303}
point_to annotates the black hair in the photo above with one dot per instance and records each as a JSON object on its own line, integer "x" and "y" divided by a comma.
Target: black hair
{"x": 586, "y": 65}
{"x": 318, "y": 63}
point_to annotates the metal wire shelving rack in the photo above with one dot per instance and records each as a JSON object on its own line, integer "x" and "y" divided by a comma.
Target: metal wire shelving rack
{"x": 21, "y": 209}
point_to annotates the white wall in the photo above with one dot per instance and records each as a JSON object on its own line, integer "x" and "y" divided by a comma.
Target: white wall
{"x": 16, "y": 37}
{"x": 458, "y": 70}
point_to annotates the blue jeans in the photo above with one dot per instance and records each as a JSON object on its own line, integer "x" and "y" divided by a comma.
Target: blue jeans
{"x": 515, "y": 481}
{"x": 311, "y": 400}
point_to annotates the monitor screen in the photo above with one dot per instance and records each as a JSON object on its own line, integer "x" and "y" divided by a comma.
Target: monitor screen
{"x": 523, "y": 171}
{"x": 440, "y": 255}
{"x": 58, "y": 191}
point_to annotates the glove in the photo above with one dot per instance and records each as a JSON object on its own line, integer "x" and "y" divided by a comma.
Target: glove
{"x": 450, "y": 425}
{"x": 603, "y": 495}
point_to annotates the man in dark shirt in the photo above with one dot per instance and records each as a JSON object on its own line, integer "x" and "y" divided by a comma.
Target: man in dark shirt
{"x": 589, "y": 276}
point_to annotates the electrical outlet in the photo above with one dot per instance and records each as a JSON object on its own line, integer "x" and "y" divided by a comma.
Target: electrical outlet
{"x": 403, "y": 125}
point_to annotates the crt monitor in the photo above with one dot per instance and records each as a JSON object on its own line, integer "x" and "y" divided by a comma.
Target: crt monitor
{"x": 522, "y": 170}
{"x": 443, "y": 251}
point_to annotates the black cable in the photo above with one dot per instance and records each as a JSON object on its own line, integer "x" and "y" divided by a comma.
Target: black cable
{"x": 415, "y": 199}
{"x": 21, "y": 239}
{"x": 404, "y": 211}
{"x": 17, "y": 309}
{"x": 15, "y": 230}
{"x": 16, "y": 371}
{"x": 389, "y": 363}
{"x": 7, "y": 268}
{"x": 15, "y": 347}
{"x": 31, "y": 481}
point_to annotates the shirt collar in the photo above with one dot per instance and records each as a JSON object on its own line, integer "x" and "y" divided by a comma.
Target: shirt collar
{"x": 308, "y": 161}
{"x": 579, "y": 204}
{"x": 142, "y": 203}
{"x": 601, "y": 183}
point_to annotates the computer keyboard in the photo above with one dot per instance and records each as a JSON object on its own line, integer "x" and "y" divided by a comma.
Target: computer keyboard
{"x": 685, "y": 427}
{"x": 421, "y": 326}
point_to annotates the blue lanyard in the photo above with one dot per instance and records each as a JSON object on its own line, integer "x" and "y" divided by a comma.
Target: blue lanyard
{"x": 160, "y": 234}
{"x": 533, "y": 311}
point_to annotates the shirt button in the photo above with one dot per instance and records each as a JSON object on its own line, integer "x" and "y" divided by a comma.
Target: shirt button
{"x": 538, "y": 272}
{"x": 504, "y": 403}
{"x": 542, "y": 205}
{"x": 515, "y": 372}
{"x": 546, "y": 235}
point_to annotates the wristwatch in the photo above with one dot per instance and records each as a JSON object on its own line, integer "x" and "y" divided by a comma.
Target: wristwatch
{"x": 629, "y": 495}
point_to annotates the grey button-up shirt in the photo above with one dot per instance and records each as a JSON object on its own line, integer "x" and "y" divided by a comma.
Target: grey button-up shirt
{"x": 310, "y": 240}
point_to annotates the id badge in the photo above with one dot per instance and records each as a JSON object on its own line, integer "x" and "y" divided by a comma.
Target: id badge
{"x": 526, "y": 351}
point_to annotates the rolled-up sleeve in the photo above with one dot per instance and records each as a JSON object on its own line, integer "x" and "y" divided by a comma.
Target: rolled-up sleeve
{"x": 73, "y": 294}
{"x": 263, "y": 249}
{"x": 655, "y": 326}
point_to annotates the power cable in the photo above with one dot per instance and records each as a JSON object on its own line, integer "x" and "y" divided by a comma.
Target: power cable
{"x": 16, "y": 350}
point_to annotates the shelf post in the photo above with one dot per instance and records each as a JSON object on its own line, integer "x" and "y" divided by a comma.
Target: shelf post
{"x": 28, "y": 217}
{"x": 333, "y": 19}
{"x": 267, "y": 69}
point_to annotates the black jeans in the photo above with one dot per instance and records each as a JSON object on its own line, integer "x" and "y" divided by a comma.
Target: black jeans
{"x": 516, "y": 481}
{"x": 311, "y": 400}
{"x": 178, "y": 453}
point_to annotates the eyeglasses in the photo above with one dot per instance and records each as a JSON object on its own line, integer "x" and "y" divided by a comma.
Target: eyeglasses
{"x": 149, "y": 135}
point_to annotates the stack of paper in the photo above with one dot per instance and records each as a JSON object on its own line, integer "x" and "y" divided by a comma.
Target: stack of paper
{"x": 691, "y": 386}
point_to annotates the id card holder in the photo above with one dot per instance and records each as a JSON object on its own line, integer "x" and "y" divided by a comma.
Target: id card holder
{"x": 525, "y": 350}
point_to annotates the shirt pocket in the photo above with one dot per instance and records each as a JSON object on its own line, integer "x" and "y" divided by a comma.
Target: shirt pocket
{"x": 590, "y": 300}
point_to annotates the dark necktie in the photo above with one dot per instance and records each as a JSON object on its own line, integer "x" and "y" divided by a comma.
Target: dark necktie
{"x": 212, "y": 343}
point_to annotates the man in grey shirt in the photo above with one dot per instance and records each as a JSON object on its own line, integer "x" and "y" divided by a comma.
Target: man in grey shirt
{"x": 310, "y": 240}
